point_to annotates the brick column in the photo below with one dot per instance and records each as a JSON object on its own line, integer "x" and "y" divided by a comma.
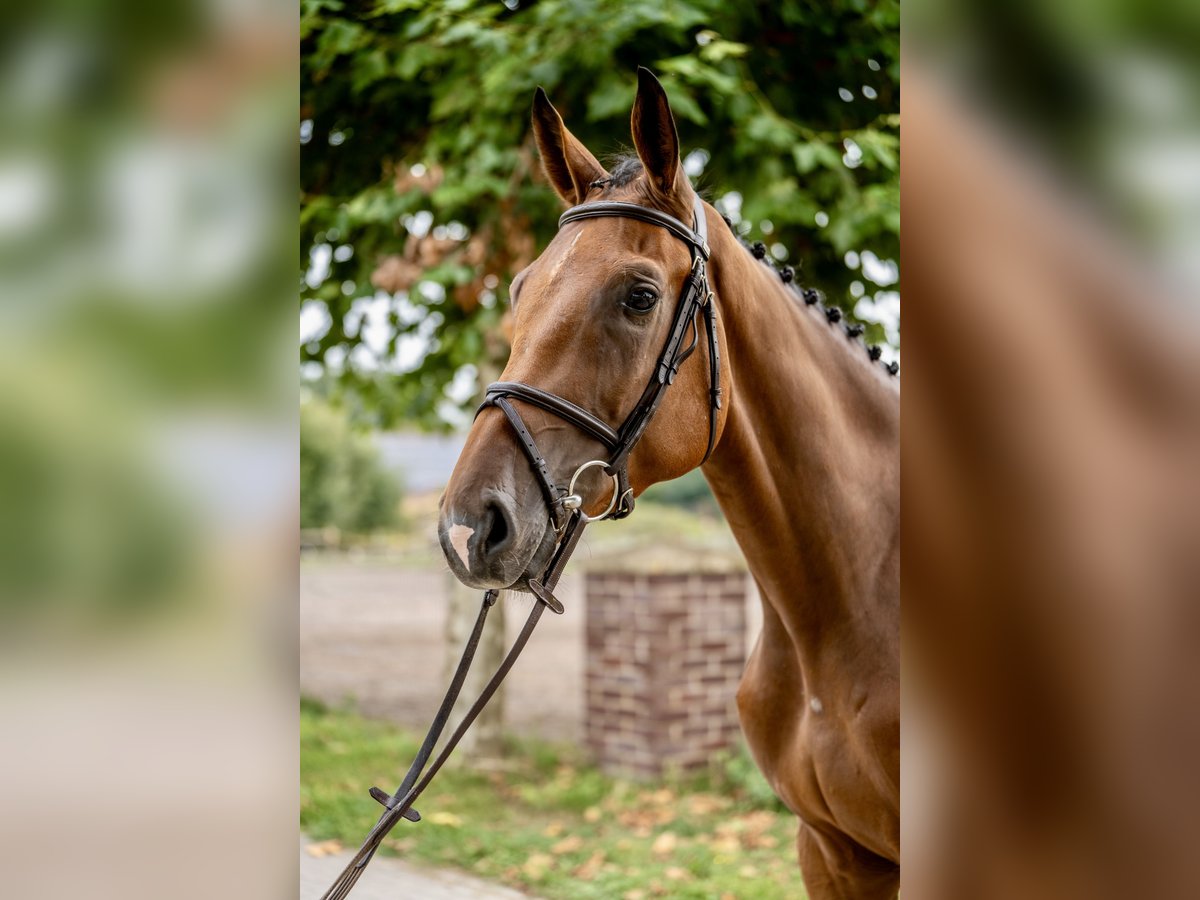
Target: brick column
{"x": 665, "y": 653}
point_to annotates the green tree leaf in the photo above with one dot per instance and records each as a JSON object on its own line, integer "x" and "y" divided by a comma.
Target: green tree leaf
{"x": 418, "y": 165}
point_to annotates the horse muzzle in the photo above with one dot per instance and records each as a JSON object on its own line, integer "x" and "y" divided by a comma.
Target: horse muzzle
{"x": 490, "y": 544}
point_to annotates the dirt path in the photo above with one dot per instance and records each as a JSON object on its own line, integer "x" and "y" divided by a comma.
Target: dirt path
{"x": 375, "y": 633}
{"x": 388, "y": 878}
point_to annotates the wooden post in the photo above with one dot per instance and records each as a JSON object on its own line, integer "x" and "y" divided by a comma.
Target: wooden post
{"x": 484, "y": 740}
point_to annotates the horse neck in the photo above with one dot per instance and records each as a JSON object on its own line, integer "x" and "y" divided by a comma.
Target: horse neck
{"x": 807, "y": 470}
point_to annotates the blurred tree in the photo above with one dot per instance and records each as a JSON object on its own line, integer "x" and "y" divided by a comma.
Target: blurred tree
{"x": 690, "y": 491}
{"x": 88, "y": 541}
{"x": 422, "y": 193}
{"x": 342, "y": 481}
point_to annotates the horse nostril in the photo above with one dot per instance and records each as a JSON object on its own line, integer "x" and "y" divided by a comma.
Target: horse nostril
{"x": 498, "y": 531}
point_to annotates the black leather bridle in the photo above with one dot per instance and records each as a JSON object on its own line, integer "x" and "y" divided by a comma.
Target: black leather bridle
{"x": 565, "y": 506}
{"x": 693, "y": 299}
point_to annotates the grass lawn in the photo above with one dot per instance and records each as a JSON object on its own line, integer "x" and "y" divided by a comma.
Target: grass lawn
{"x": 548, "y": 823}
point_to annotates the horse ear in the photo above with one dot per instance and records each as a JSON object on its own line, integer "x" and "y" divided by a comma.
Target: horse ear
{"x": 654, "y": 134}
{"x": 568, "y": 164}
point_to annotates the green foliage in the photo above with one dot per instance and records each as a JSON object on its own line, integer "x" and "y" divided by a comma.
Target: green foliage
{"x": 548, "y": 823}
{"x": 690, "y": 491}
{"x": 88, "y": 540}
{"x": 420, "y": 178}
{"x": 342, "y": 481}
{"x": 737, "y": 774}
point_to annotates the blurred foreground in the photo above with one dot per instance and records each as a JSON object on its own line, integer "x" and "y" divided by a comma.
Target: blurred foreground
{"x": 1051, "y": 439}
{"x": 147, "y": 450}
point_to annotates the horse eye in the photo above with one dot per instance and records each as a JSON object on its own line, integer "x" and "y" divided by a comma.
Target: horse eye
{"x": 641, "y": 300}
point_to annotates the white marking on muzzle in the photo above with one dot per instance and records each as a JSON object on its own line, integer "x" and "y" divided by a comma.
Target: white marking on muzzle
{"x": 459, "y": 535}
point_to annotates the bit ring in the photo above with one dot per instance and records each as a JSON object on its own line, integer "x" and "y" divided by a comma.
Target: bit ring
{"x": 574, "y": 501}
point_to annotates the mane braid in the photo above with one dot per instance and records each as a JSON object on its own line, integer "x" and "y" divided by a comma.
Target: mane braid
{"x": 813, "y": 297}
{"x": 625, "y": 169}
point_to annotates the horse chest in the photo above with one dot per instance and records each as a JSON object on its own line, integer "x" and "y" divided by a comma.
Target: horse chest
{"x": 826, "y": 751}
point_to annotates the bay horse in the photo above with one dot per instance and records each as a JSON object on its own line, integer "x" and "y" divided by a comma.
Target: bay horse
{"x": 804, "y": 463}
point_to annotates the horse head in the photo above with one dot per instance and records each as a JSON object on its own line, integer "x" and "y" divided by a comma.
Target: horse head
{"x": 592, "y": 315}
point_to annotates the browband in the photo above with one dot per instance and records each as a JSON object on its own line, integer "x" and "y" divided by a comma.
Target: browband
{"x": 697, "y": 240}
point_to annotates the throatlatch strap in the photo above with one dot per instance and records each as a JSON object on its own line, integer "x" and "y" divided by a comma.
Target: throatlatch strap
{"x": 714, "y": 374}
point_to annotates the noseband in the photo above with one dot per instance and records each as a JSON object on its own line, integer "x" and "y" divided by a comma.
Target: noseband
{"x": 694, "y": 298}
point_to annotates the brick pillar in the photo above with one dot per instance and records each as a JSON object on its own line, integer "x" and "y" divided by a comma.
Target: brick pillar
{"x": 665, "y": 653}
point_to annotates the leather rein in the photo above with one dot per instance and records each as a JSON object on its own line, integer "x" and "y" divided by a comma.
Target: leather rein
{"x": 564, "y": 505}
